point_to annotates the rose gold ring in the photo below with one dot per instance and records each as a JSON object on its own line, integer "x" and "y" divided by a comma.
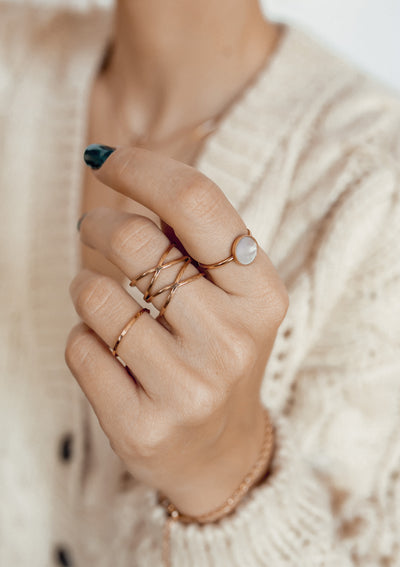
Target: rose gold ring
{"x": 178, "y": 282}
{"x": 243, "y": 251}
{"x": 126, "y": 329}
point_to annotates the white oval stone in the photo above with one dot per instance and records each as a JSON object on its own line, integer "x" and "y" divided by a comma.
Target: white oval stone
{"x": 246, "y": 250}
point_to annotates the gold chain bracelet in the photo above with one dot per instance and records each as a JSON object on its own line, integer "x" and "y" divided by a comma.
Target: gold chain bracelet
{"x": 251, "y": 478}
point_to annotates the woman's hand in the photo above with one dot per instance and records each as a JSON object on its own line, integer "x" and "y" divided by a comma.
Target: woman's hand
{"x": 191, "y": 425}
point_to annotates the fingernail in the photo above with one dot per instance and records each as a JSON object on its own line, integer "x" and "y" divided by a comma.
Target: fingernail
{"x": 78, "y": 225}
{"x": 96, "y": 154}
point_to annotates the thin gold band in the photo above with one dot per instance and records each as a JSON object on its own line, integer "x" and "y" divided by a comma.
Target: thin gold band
{"x": 126, "y": 329}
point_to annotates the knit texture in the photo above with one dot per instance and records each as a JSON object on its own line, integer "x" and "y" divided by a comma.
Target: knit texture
{"x": 309, "y": 156}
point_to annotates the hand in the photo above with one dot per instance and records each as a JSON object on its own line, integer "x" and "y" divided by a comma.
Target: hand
{"x": 190, "y": 422}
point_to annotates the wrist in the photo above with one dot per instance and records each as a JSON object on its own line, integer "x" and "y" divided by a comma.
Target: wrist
{"x": 214, "y": 491}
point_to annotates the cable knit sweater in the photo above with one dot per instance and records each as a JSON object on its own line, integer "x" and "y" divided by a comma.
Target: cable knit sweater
{"x": 309, "y": 156}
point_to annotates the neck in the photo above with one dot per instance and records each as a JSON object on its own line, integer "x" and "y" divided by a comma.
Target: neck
{"x": 175, "y": 64}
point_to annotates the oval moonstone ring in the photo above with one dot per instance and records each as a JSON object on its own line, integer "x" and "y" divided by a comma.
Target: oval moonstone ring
{"x": 244, "y": 249}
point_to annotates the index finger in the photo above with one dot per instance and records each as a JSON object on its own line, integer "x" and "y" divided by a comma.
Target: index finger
{"x": 202, "y": 217}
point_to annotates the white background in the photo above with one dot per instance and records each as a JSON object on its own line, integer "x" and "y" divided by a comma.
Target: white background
{"x": 365, "y": 31}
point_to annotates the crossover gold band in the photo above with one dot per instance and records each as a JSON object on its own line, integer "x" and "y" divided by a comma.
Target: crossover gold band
{"x": 162, "y": 264}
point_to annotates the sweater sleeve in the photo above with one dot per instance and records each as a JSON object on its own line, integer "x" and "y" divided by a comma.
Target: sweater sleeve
{"x": 286, "y": 520}
{"x": 282, "y": 520}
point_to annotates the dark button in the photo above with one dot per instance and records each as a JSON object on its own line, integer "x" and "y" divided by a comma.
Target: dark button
{"x": 62, "y": 556}
{"x": 66, "y": 447}
{"x": 126, "y": 481}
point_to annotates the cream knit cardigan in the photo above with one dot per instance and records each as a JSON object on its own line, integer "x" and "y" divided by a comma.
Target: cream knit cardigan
{"x": 309, "y": 156}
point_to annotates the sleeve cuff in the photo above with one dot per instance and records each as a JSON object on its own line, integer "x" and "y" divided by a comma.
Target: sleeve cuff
{"x": 285, "y": 521}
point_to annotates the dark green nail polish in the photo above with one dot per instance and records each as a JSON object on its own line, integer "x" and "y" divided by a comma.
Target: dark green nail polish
{"x": 78, "y": 225}
{"x": 96, "y": 154}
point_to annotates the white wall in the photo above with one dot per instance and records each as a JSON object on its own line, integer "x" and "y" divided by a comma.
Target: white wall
{"x": 366, "y": 31}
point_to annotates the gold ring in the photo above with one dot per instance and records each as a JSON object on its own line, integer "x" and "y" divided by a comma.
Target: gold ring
{"x": 126, "y": 329}
{"x": 162, "y": 264}
{"x": 243, "y": 251}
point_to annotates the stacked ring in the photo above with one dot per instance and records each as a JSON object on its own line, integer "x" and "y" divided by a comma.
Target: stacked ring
{"x": 243, "y": 251}
{"x": 162, "y": 264}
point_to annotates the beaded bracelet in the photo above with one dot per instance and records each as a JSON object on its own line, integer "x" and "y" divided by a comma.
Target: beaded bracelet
{"x": 251, "y": 479}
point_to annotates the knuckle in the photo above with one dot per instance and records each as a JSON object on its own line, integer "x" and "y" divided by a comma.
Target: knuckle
{"x": 279, "y": 304}
{"x": 149, "y": 446}
{"x": 240, "y": 353}
{"x": 200, "y": 197}
{"x": 94, "y": 295}
{"x": 132, "y": 235}
{"x": 145, "y": 442}
{"x": 78, "y": 348}
{"x": 270, "y": 303}
{"x": 204, "y": 402}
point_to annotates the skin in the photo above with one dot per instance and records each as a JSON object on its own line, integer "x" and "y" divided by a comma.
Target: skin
{"x": 159, "y": 86}
{"x": 190, "y": 424}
